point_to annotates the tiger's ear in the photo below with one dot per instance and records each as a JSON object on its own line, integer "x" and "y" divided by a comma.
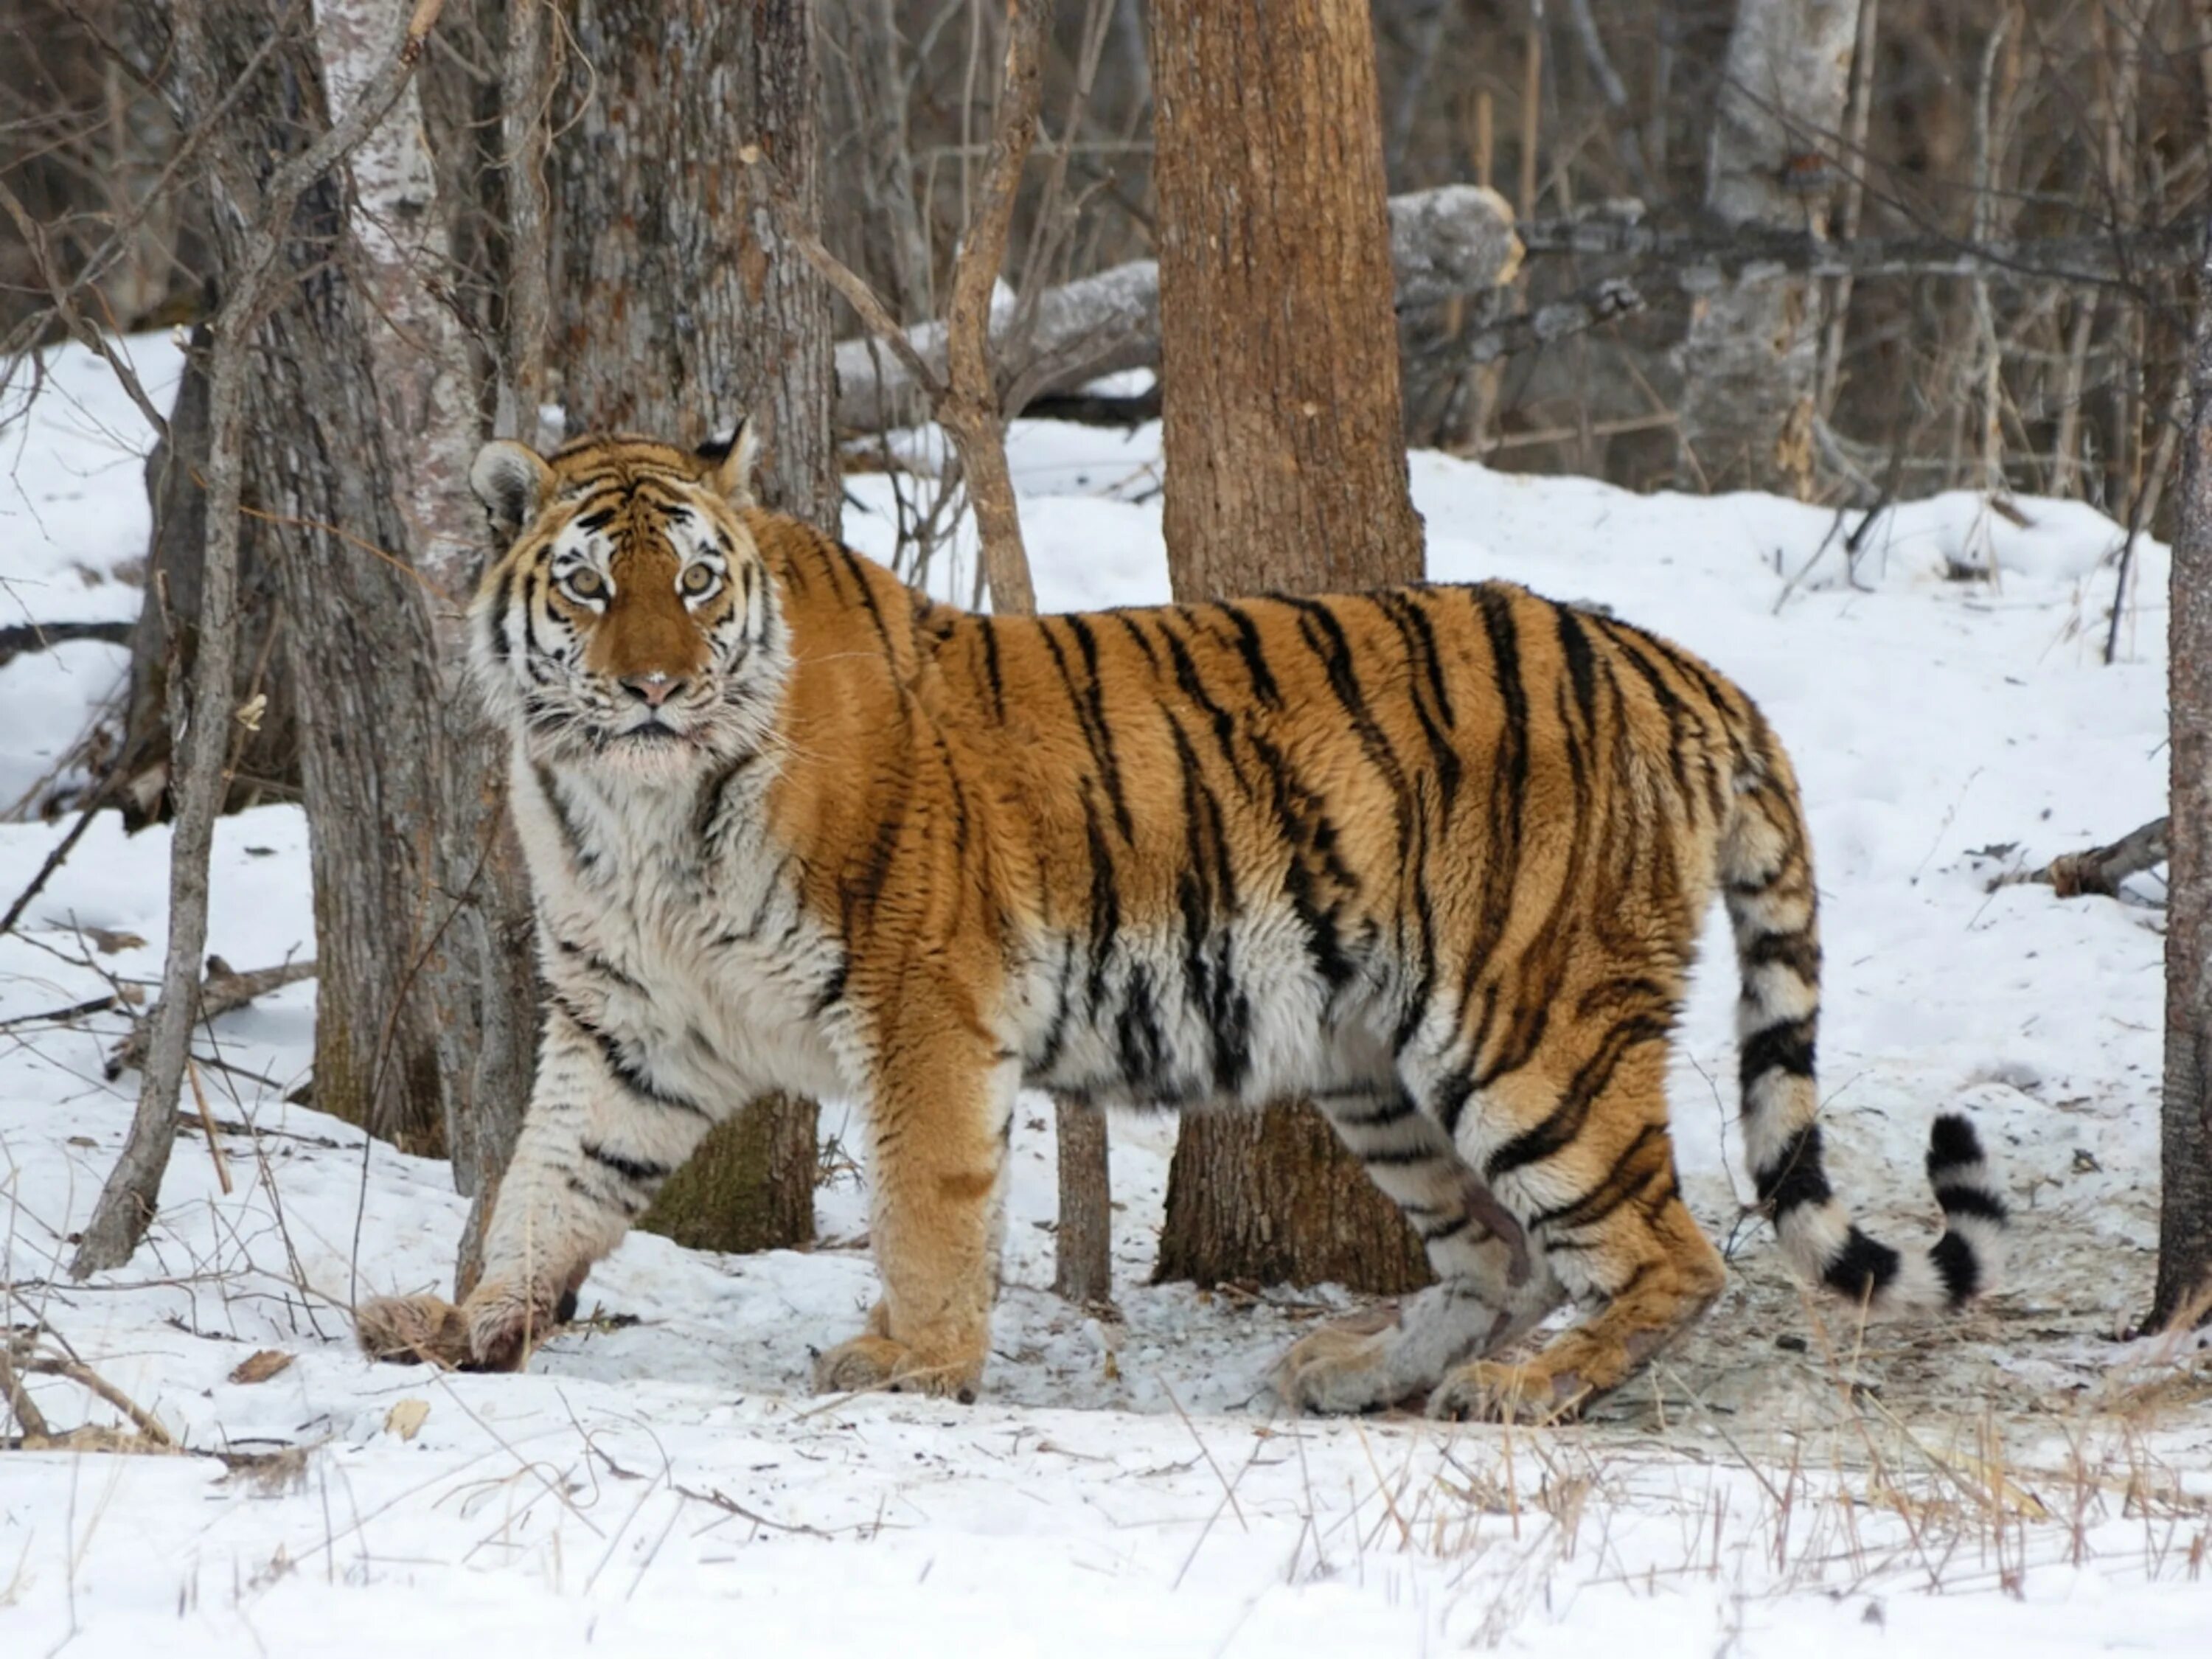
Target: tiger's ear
{"x": 729, "y": 462}
{"x": 511, "y": 480}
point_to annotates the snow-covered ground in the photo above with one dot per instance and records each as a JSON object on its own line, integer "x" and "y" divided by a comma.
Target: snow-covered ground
{"x": 1779, "y": 1484}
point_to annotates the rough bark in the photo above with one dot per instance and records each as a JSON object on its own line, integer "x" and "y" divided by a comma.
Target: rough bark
{"x": 676, "y": 304}
{"x": 1751, "y": 361}
{"x": 676, "y": 307}
{"x": 1457, "y": 240}
{"x": 2184, "y": 1231}
{"x": 1285, "y": 468}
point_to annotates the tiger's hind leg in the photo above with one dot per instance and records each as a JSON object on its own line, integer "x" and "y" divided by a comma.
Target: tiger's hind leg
{"x": 1587, "y": 1168}
{"x": 1489, "y": 1288}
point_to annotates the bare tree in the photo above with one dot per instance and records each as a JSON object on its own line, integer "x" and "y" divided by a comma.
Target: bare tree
{"x": 2184, "y": 1231}
{"x": 1751, "y": 363}
{"x": 1285, "y": 469}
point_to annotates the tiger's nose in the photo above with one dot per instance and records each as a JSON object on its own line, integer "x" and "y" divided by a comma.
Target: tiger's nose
{"x": 654, "y": 689}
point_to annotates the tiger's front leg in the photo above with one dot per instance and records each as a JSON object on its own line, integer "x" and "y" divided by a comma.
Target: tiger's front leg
{"x": 599, "y": 1138}
{"x": 941, "y": 1107}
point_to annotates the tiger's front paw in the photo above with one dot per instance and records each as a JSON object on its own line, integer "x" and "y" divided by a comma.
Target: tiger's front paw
{"x": 495, "y": 1330}
{"x": 407, "y": 1330}
{"x": 875, "y": 1362}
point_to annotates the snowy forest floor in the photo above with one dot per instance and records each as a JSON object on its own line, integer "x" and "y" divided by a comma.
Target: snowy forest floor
{"x": 2019, "y": 1476}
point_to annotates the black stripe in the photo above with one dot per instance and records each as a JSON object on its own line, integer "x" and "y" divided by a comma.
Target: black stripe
{"x": 1088, "y": 715}
{"x": 1143, "y": 641}
{"x": 631, "y": 1076}
{"x": 639, "y": 1171}
{"x": 1620, "y": 1183}
{"x": 1974, "y": 1201}
{"x": 860, "y": 575}
{"x": 1796, "y": 1177}
{"x": 1394, "y": 1108}
{"x": 572, "y": 835}
{"x": 1798, "y": 952}
{"x": 1863, "y": 1268}
{"x": 1105, "y": 903}
{"x": 1952, "y": 1142}
{"x": 1136, "y": 1039}
{"x": 991, "y": 671}
{"x": 1222, "y": 723}
{"x": 1205, "y": 892}
{"x": 1582, "y": 669}
{"x": 1787, "y": 1047}
{"x": 1961, "y": 1268}
{"x": 591, "y": 960}
{"x": 1563, "y": 1123}
{"x": 1419, "y": 641}
{"x": 1248, "y": 646}
{"x": 1323, "y": 634}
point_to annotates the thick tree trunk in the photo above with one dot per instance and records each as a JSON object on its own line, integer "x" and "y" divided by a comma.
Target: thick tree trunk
{"x": 676, "y": 307}
{"x": 2184, "y": 1229}
{"x": 1751, "y": 362}
{"x": 1286, "y": 468}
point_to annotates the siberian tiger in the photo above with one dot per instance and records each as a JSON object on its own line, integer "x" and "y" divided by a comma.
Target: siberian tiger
{"x": 1434, "y": 857}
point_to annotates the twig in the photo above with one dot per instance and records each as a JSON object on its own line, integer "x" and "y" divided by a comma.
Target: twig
{"x": 207, "y": 1126}
{"x": 54, "y": 860}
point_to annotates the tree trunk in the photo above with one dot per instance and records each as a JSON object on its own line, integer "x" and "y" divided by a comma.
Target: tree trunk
{"x": 2185, "y": 1229}
{"x": 1751, "y": 361}
{"x": 676, "y": 307}
{"x": 265, "y": 758}
{"x": 1286, "y": 468}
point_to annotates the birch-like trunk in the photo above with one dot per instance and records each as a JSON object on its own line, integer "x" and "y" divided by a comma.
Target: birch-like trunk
{"x": 1751, "y": 361}
{"x": 478, "y": 989}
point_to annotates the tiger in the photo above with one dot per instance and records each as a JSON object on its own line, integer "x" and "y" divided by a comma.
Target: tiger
{"x": 1434, "y": 858}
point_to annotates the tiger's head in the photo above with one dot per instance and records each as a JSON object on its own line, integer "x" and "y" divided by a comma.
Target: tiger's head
{"x": 632, "y": 623}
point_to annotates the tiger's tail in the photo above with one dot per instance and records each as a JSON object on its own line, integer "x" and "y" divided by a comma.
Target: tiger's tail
{"x": 1766, "y": 881}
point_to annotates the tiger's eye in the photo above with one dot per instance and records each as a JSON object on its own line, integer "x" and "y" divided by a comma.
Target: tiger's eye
{"x": 587, "y": 585}
{"x": 697, "y": 580}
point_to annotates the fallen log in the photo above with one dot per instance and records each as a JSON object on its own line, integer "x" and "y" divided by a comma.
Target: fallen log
{"x": 2100, "y": 870}
{"x": 1452, "y": 241}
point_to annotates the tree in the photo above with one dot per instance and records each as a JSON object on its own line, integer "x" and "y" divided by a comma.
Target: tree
{"x": 677, "y": 304}
{"x": 1751, "y": 361}
{"x": 1286, "y": 468}
{"x": 2185, "y": 1229}
{"x": 250, "y": 77}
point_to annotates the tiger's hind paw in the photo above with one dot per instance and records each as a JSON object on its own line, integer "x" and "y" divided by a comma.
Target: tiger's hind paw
{"x": 1485, "y": 1391}
{"x": 873, "y": 1362}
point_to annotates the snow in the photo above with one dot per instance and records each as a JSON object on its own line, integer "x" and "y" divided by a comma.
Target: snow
{"x": 1780, "y": 1483}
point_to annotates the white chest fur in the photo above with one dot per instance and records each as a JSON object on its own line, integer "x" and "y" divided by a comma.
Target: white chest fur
{"x": 680, "y": 933}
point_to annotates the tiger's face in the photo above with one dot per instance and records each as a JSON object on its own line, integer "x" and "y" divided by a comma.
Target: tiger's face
{"x": 631, "y": 624}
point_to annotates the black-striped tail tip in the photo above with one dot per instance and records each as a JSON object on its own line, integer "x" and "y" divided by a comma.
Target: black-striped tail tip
{"x": 1974, "y": 1215}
